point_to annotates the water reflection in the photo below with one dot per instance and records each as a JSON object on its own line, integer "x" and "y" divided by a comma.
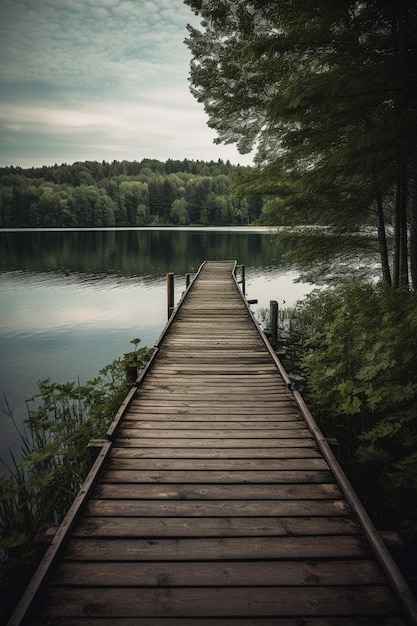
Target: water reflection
{"x": 132, "y": 252}
{"x": 31, "y": 302}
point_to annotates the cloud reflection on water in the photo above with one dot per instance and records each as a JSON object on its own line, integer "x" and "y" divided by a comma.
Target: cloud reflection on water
{"x": 50, "y": 302}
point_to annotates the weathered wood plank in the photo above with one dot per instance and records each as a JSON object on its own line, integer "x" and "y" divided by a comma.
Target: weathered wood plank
{"x": 346, "y": 546}
{"x": 173, "y": 368}
{"x": 236, "y": 376}
{"x": 134, "y": 527}
{"x": 257, "y": 477}
{"x": 172, "y": 382}
{"x": 153, "y": 442}
{"x": 231, "y": 601}
{"x": 178, "y": 356}
{"x": 137, "y": 527}
{"x": 208, "y": 573}
{"x": 378, "y": 620}
{"x": 311, "y": 465}
{"x": 184, "y": 491}
{"x": 212, "y": 433}
{"x": 220, "y": 508}
{"x": 212, "y": 342}
{"x": 282, "y": 412}
{"x": 196, "y": 392}
{"x": 248, "y": 405}
{"x": 211, "y": 395}
{"x": 160, "y": 452}
{"x": 140, "y": 422}
{"x": 147, "y": 407}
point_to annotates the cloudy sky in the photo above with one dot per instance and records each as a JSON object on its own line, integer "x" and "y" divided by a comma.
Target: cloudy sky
{"x": 99, "y": 80}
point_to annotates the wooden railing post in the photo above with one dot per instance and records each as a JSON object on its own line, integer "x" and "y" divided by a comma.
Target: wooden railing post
{"x": 170, "y": 293}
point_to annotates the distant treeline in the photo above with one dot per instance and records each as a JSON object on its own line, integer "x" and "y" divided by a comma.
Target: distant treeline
{"x": 123, "y": 193}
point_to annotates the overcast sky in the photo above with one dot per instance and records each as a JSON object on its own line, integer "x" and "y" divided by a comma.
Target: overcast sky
{"x": 99, "y": 80}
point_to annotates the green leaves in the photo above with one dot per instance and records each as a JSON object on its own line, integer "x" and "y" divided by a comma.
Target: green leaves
{"x": 323, "y": 92}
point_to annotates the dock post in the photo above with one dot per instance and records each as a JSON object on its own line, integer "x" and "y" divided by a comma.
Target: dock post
{"x": 170, "y": 293}
{"x": 273, "y": 314}
{"x": 242, "y": 277}
{"x": 187, "y": 280}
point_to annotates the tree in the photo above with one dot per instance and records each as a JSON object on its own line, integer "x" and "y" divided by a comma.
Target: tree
{"x": 142, "y": 215}
{"x": 159, "y": 198}
{"x": 326, "y": 92}
{"x": 133, "y": 194}
{"x": 179, "y": 213}
{"x": 196, "y": 193}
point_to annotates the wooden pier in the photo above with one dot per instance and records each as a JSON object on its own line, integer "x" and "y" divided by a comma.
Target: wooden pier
{"x": 216, "y": 499}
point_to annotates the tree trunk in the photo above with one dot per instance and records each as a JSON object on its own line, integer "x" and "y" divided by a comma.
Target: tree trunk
{"x": 413, "y": 232}
{"x": 400, "y": 268}
{"x": 400, "y": 26}
{"x": 404, "y": 280}
{"x": 397, "y": 239}
{"x": 382, "y": 240}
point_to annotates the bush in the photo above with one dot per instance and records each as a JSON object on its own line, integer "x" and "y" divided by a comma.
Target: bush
{"x": 359, "y": 358}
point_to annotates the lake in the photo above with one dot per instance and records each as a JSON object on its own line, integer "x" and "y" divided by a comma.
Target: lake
{"x": 71, "y": 300}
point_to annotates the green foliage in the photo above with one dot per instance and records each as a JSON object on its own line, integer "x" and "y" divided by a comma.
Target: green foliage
{"x": 124, "y": 193}
{"x": 359, "y": 358}
{"x": 323, "y": 93}
{"x": 324, "y": 255}
{"x": 62, "y": 419}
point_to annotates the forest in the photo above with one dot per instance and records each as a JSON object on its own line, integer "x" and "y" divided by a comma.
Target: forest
{"x": 122, "y": 193}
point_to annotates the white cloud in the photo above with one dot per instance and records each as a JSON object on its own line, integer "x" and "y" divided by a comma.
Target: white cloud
{"x": 106, "y": 3}
{"x": 51, "y": 120}
{"x": 100, "y": 13}
{"x": 150, "y": 6}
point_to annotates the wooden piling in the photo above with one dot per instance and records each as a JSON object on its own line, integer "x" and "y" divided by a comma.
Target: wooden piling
{"x": 170, "y": 293}
{"x": 273, "y": 314}
{"x": 242, "y": 279}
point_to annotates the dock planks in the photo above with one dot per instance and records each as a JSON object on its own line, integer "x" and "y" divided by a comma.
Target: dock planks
{"x": 214, "y": 503}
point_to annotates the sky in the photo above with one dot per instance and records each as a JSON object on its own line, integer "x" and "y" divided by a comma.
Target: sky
{"x": 99, "y": 80}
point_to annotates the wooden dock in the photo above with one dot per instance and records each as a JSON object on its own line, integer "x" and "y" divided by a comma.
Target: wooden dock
{"x": 217, "y": 500}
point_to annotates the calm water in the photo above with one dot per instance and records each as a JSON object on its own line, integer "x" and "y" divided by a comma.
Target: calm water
{"x": 71, "y": 301}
